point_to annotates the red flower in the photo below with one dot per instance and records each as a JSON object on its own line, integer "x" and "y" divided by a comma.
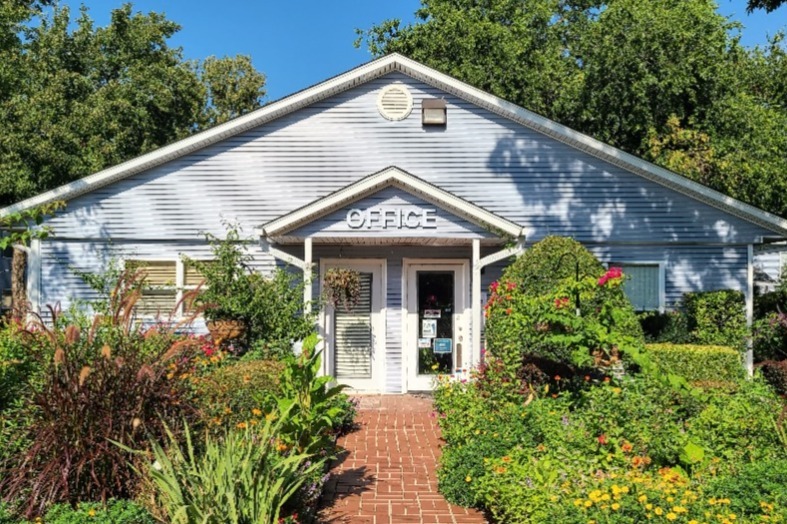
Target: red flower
{"x": 560, "y": 303}
{"x": 509, "y": 311}
{"x": 613, "y": 273}
{"x": 602, "y": 439}
{"x": 493, "y": 286}
{"x": 557, "y": 378}
{"x": 510, "y": 286}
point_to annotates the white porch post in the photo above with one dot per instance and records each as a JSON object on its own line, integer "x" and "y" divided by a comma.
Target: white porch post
{"x": 478, "y": 264}
{"x": 476, "y": 310}
{"x": 307, "y": 275}
{"x": 749, "y": 357}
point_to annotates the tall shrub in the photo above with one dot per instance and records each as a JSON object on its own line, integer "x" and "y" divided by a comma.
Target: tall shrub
{"x": 716, "y": 317}
{"x": 114, "y": 380}
{"x": 271, "y": 306}
{"x": 533, "y": 308}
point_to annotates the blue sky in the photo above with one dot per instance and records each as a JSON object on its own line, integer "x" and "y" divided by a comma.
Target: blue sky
{"x": 298, "y": 43}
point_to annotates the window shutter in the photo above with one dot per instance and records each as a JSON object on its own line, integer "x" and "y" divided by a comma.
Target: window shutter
{"x": 159, "y": 296}
{"x": 353, "y": 335}
{"x": 642, "y": 286}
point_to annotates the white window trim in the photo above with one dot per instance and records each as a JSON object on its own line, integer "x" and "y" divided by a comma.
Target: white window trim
{"x": 662, "y": 265}
{"x": 180, "y": 277}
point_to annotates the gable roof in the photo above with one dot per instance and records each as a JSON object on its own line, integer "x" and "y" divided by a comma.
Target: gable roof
{"x": 391, "y": 177}
{"x": 376, "y": 69}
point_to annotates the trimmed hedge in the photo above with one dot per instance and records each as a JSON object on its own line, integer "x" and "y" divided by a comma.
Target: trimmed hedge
{"x": 697, "y": 363}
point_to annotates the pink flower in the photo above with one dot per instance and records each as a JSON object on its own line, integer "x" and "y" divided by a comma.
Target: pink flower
{"x": 560, "y": 303}
{"x": 613, "y": 273}
{"x": 493, "y": 286}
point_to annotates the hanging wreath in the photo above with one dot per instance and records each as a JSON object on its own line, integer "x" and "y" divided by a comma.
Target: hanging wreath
{"x": 342, "y": 287}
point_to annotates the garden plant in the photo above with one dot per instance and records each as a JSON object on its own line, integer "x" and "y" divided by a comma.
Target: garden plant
{"x": 573, "y": 419}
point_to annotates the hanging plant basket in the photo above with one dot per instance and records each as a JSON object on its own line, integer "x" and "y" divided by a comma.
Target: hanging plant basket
{"x": 342, "y": 288}
{"x": 225, "y": 330}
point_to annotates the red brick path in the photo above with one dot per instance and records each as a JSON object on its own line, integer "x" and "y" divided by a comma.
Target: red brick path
{"x": 387, "y": 475}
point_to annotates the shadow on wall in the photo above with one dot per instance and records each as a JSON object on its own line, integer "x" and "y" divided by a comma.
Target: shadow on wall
{"x": 567, "y": 192}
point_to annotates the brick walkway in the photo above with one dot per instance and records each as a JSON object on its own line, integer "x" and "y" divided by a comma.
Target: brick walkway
{"x": 387, "y": 475}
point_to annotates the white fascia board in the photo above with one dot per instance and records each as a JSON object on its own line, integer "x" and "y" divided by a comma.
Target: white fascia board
{"x": 391, "y": 176}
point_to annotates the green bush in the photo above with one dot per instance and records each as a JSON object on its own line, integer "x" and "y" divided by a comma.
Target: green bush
{"x": 633, "y": 443}
{"x": 698, "y": 364}
{"x": 769, "y": 337}
{"x": 238, "y": 392}
{"x": 716, "y": 317}
{"x": 114, "y": 512}
{"x": 271, "y": 307}
{"x": 532, "y": 309}
{"x": 775, "y": 373}
{"x": 754, "y": 486}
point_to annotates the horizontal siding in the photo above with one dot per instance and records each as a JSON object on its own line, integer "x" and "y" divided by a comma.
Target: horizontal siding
{"x": 769, "y": 262}
{"x": 501, "y": 166}
{"x": 62, "y": 261}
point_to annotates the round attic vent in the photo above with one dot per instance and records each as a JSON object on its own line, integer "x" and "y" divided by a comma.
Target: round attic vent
{"x": 395, "y": 102}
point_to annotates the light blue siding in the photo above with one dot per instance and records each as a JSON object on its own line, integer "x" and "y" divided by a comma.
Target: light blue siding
{"x": 256, "y": 176}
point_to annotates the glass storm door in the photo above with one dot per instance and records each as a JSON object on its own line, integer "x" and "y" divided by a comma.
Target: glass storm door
{"x": 355, "y": 337}
{"x": 436, "y": 331}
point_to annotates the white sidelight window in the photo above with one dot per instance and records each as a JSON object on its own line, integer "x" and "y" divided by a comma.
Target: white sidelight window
{"x": 643, "y": 284}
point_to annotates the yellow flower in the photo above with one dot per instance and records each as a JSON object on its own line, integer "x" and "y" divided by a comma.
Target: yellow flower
{"x": 643, "y": 498}
{"x": 435, "y": 366}
{"x": 671, "y": 516}
{"x": 468, "y": 478}
{"x": 648, "y": 507}
{"x": 658, "y": 511}
{"x": 694, "y": 521}
{"x": 256, "y": 412}
{"x": 91, "y": 513}
{"x": 679, "y": 509}
{"x": 241, "y": 425}
{"x": 615, "y": 506}
{"x": 605, "y": 496}
{"x": 588, "y": 503}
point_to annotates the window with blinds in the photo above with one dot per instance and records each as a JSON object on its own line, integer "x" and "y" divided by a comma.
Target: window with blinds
{"x": 160, "y": 293}
{"x": 642, "y": 285}
{"x": 353, "y": 335}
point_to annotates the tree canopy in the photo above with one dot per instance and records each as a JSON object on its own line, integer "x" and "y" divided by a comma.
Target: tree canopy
{"x": 76, "y": 98}
{"x": 666, "y": 80}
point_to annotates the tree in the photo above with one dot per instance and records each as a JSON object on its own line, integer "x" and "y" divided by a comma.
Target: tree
{"x": 666, "y": 80}
{"x": 768, "y": 5}
{"x": 20, "y": 229}
{"x": 233, "y": 87}
{"x": 81, "y": 98}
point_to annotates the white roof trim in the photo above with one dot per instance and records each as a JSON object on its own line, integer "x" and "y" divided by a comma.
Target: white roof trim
{"x": 390, "y": 176}
{"x": 380, "y": 67}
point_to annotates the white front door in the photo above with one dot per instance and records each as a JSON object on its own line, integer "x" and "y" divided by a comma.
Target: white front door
{"x": 355, "y": 339}
{"x": 436, "y": 334}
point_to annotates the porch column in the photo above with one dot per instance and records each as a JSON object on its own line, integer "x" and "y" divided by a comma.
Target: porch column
{"x": 749, "y": 355}
{"x": 307, "y": 275}
{"x": 476, "y": 310}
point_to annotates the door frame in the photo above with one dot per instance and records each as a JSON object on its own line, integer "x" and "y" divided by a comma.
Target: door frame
{"x": 377, "y": 266}
{"x": 461, "y": 266}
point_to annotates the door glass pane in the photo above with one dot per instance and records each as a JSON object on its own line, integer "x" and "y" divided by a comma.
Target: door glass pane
{"x": 353, "y": 338}
{"x": 435, "y": 322}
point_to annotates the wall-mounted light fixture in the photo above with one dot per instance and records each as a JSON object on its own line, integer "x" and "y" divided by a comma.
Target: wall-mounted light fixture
{"x": 433, "y": 112}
